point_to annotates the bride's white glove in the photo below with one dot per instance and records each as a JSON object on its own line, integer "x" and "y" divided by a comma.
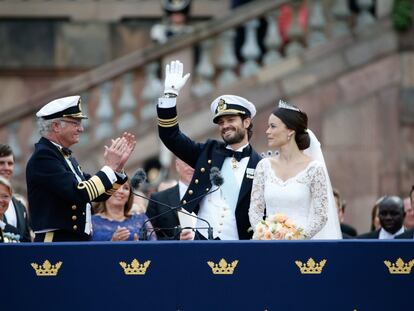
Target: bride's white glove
{"x": 174, "y": 79}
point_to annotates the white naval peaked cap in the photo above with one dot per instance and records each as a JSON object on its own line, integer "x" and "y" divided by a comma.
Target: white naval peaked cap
{"x": 62, "y": 107}
{"x": 232, "y": 105}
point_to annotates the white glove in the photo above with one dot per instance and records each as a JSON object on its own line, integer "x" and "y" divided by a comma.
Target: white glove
{"x": 174, "y": 79}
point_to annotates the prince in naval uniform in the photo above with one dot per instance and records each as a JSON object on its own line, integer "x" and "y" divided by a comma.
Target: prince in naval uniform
{"x": 227, "y": 209}
{"x": 59, "y": 192}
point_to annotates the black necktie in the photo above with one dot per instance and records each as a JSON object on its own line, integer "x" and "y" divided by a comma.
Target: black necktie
{"x": 238, "y": 155}
{"x": 66, "y": 151}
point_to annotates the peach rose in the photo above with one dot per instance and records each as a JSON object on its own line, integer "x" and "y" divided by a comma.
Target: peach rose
{"x": 260, "y": 229}
{"x": 267, "y": 235}
{"x": 280, "y": 218}
{"x": 283, "y": 231}
{"x": 279, "y": 236}
{"x": 290, "y": 223}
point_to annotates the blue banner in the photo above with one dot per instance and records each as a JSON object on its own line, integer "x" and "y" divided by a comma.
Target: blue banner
{"x": 208, "y": 275}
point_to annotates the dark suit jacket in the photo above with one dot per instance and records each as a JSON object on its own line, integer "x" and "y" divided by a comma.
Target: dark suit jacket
{"x": 202, "y": 157}
{"x": 57, "y": 199}
{"x": 369, "y": 235}
{"x": 409, "y": 234}
{"x": 23, "y": 228}
{"x": 164, "y": 225}
{"x": 348, "y": 230}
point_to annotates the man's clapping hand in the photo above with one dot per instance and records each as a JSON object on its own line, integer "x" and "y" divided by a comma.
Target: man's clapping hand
{"x": 116, "y": 155}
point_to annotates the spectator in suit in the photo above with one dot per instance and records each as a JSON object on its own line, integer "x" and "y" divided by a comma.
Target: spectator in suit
{"x": 167, "y": 226}
{"x": 7, "y": 231}
{"x": 165, "y": 184}
{"x": 391, "y": 215}
{"x": 16, "y": 215}
{"x": 59, "y": 192}
{"x": 409, "y": 210}
{"x": 348, "y": 231}
{"x": 409, "y": 234}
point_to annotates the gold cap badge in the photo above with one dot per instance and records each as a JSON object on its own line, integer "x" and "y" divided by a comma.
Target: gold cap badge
{"x": 221, "y": 105}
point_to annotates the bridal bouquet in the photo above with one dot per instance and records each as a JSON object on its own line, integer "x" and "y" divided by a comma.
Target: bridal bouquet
{"x": 277, "y": 227}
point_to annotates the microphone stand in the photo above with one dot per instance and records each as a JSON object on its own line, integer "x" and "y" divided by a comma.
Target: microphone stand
{"x": 143, "y": 231}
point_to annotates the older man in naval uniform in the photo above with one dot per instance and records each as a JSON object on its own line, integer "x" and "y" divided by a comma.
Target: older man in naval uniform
{"x": 226, "y": 209}
{"x": 59, "y": 192}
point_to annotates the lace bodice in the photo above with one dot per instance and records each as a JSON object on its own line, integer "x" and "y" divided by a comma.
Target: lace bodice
{"x": 303, "y": 197}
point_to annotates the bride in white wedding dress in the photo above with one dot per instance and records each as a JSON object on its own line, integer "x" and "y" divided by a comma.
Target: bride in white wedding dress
{"x": 296, "y": 182}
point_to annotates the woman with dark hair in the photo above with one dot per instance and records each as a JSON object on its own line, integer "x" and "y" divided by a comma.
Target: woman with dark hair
{"x": 114, "y": 221}
{"x": 375, "y": 221}
{"x": 295, "y": 183}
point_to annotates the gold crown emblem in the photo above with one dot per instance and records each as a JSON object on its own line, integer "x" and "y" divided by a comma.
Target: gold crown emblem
{"x": 223, "y": 267}
{"x": 221, "y": 105}
{"x": 399, "y": 267}
{"x": 311, "y": 267}
{"x": 135, "y": 268}
{"x": 47, "y": 269}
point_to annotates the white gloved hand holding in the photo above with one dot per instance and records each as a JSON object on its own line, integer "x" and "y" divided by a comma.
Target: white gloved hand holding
{"x": 174, "y": 79}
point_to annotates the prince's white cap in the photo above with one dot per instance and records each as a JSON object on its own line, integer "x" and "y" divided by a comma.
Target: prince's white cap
{"x": 232, "y": 105}
{"x": 62, "y": 107}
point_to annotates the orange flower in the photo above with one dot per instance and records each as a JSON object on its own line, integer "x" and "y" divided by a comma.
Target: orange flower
{"x": 268, "y": 235}
{"x": 280, "y": 217}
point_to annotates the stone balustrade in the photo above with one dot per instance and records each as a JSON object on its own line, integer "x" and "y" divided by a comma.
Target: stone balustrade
{"x": 229, "y": 51}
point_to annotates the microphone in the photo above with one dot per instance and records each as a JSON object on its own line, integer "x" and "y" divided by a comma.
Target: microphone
{"x": 215, "y": 178}
{"x": 138, "y": 178}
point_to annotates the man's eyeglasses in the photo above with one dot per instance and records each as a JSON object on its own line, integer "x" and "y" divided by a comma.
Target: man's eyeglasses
{"x": 74, "y": 123}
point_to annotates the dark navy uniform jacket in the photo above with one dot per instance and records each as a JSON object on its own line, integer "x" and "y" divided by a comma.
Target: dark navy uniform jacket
{"x": 57, "y": 200}
{"x": 202, "y": 157}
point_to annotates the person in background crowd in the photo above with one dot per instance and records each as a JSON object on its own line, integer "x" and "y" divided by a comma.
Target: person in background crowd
{"x": 166, "y": 184}
{"x": 347, "y": 230}
{"x": 114, "y": 220}
{"x": 226, "y": 210}
{"x": 409, "y": 210}
{"x": 375, "y": 221}
{"x": 175, "y": 21}
{"x": 167, "y": 226}
{"x": 16, "y": 215}
{"x": 391, "y": 215}
{"x": 59, "y": 192}
{"x": 7, "y": 231}
{"x": 139, "y": 205}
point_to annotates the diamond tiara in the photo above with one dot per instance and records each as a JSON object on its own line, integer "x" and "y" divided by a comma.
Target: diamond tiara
{"x": 285, "y": 105}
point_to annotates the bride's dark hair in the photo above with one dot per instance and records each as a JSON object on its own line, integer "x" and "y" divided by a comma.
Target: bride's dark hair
{"x": 296, "y": 120}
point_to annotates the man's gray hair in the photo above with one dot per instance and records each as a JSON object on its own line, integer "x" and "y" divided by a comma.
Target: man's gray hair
{"x": 45, "y": 126}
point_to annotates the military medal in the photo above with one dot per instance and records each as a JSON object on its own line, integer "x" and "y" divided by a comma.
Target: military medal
{"x": 234, "y": 162}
